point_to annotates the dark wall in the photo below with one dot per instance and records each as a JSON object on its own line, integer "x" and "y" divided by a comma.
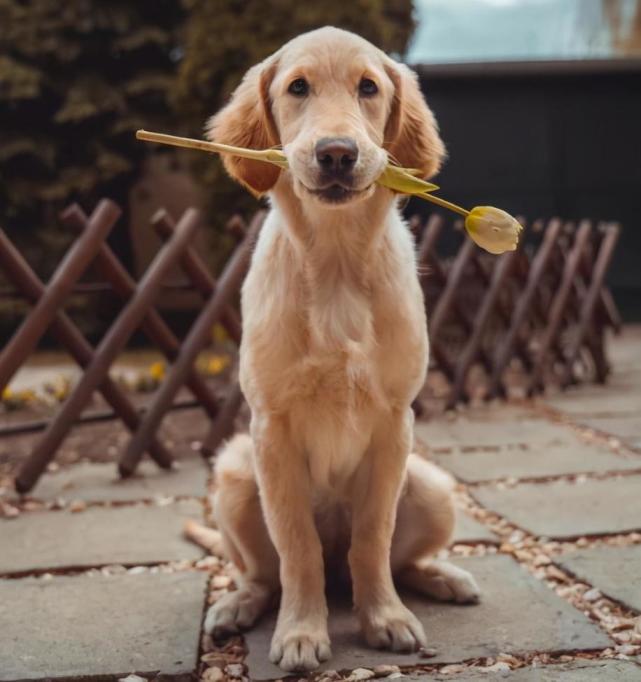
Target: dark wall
{"x": 558, "y": 142}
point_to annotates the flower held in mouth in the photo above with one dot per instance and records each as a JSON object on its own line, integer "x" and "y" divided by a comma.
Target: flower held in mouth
{"x": 491, "y": 228}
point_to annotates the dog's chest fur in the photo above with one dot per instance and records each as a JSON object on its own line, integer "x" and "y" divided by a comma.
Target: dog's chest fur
{"x": 335, "y": 340}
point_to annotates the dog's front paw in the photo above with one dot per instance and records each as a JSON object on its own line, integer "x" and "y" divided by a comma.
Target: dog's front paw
{"x": 300, "y": 650}
{"x": 236, "y": 611}
{"x": 393, "y": 627}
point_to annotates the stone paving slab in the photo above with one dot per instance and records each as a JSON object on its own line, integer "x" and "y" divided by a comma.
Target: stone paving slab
{"x": 80, "y": 627}
{"x": 562, "y": 509}
{"x": 577, "y": 671}
{"x": 468, "y": 529}
{"x": 538, "y": 461}
{"x": 132, "y": 535}
{"x": 602, "y": 401}
{"x": 467, "y": 433}
{"x": 627, "y": 428}
{"x": 101, "y": 483}
{"x": 517, "y": 614}
{"x": 615, "y": 571}
{"x": 498, "y": 411}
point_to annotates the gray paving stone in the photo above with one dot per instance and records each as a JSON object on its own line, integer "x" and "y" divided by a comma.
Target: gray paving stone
{"x": 468, "y": 529}
{"x": 517, "y": 614}
{"x": 616, "y": 571}
{"x": 497, "y": 411}
{"x": 562, "y": 509}
{"x": 464, "y": 433}
{"x": 101, "y": 483}
{"x": 597, "y": 402}
{"x": 80, "y": 627}
{"x": 132, "y": 535}
{"x": 577, "y": 671}
{"x": 538, "y": 461}
{"x": 627, "y": 428}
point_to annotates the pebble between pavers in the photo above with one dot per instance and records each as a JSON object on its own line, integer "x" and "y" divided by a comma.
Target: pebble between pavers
{"x": 361, "y": 674}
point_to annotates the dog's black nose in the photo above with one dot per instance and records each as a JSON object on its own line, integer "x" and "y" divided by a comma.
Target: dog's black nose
{"x": 336, "y": 155}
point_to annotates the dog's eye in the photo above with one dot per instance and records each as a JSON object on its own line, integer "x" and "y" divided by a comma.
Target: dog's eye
{"x": 298, "y": 87}
{"x": 367, "y": 87}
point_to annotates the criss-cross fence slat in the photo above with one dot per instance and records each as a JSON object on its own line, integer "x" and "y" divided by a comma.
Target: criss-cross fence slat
{"x": 527, "y": 311}
{"x": 588, "y": 309}
{"x": 68, "y": 335}
{"x": 194, "y": 342}
{"x": 205, "y": 284}
{"x": 481, "y": 321}
{"x": 106, "y": 352}
{"x": 152, "y": 324}
{"x": 59, "y": 287}
{"x": 523, "y": 307}
{"x": 546, "y": 306}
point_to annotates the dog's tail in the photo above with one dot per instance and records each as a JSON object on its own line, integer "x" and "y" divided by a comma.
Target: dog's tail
{"x": 441, "y": 477}
{"x": 233, "y": 459}
{"x": 207, "y": 538}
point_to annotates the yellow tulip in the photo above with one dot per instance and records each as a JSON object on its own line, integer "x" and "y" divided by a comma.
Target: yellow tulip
{"x": 493, "y": 229}
{"x": 217, "y": 364}
{"x": 157, "y": 371}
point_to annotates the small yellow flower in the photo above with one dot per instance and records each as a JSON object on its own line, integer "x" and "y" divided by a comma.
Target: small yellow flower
{"x": 493, "y": 229}
{"x": 157, "y": 371}
{"x": 217, "y": 363}
{"x": 28, "y": 395}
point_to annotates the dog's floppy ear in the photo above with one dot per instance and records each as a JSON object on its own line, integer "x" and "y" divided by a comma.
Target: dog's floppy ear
{"x": 247, "y": 121}
{"x": 411, "y": 133}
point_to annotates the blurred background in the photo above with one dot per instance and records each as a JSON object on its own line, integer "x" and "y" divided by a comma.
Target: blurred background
{"x": 539, "y": 103}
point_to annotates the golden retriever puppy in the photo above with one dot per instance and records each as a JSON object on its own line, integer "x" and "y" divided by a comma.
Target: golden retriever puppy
{"x": 334, "y": 350}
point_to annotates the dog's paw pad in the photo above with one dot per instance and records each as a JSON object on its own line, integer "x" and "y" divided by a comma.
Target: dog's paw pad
{"x": 300, "y": 652}
{"x": 397, "y": 629}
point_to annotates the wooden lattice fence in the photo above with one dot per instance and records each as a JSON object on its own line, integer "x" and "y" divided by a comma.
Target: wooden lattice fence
{"x": 545, "y": 306}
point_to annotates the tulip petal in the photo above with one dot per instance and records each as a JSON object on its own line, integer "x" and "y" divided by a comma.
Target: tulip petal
{"x": 493, "y": 229}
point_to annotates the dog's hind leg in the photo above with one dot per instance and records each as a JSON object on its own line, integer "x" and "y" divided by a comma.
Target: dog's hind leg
{"x": 245, "y": 540}
{"x": 424, "y": 525}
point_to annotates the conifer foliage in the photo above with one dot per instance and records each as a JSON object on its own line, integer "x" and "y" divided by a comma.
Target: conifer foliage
{"x": 76, "y": 80}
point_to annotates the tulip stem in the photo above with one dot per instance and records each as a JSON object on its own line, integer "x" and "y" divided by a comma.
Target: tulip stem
{"x": 445, "y": 204}
{"x": 189, "y": 143}
{"x": 259, "y": 155}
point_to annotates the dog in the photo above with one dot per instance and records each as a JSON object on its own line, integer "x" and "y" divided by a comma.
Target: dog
{"x": 334, "y": 349}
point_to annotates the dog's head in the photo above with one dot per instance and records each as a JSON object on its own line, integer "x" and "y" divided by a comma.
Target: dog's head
{"x": 338, "y": 106}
